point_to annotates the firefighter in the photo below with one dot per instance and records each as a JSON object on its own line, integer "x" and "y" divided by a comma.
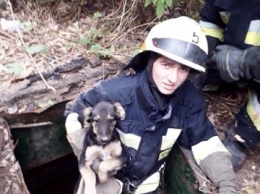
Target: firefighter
{"x": 162, "y": 106}
{"x": 232, "y": 28}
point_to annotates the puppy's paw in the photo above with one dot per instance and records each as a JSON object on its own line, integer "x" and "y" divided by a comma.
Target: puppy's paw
{"x": 119, "y": 110}
{"x": 102, "y": 177}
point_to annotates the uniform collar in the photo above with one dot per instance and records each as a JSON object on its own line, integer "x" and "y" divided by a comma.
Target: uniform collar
{"x": 149, "y": 104}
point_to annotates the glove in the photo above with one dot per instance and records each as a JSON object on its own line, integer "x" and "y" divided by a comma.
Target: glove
{"x": 227, "y": 187}
{"x": 75, "y": 133}
{"x": 227, "y": 58}
{"x": 218, "y": 168}
{"x": 233, "y": 63}
{"x": 72, "y": 124}
{"x": 251, "y": 59}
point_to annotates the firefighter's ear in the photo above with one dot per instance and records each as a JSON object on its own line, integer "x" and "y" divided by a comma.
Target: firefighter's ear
{"x": 120, "y": 111}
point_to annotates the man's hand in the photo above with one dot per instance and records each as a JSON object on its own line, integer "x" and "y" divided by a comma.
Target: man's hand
{"x": 72, "y": 124}
{"x": 227, "y": 58}
{"x": 75, "y": 133}
{"x": 218, "y": 168}
{"x": 234, "y": 64}
{"x": 227, "y": 187}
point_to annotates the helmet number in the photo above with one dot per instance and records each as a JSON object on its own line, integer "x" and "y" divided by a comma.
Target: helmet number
{"x": 195, "y": 38}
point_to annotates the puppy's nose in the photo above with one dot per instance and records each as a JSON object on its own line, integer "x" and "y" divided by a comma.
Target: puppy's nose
{"x": 104, "y": 139}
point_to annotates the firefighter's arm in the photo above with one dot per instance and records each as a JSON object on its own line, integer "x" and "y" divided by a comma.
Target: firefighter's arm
{"x": 211, "y": 24}
{"x": 199, "y": 135}
{"x": 75, "y": 124}
{"x": 215, "y": 161}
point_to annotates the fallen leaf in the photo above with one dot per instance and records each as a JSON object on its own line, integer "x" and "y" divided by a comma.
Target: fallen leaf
{"x": 14, "y": 68}
{"x": 36, "y": 49}
{"x": 45, "y": 104}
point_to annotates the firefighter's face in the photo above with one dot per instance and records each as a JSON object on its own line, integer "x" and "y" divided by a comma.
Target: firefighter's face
{"x": 168, "y": 75}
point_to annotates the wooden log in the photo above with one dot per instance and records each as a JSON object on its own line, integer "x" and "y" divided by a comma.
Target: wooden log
{"x": 11, "y": 177}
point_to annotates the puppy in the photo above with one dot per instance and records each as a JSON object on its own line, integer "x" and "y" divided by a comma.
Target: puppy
{"x": 101, "y": 156}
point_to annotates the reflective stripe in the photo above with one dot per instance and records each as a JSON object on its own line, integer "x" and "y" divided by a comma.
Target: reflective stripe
{"x": 229, "y": 70}
{"x": 150, "y": 184}
{"x": 254, "y": 26}
{"x": 206, "y": 148}
{"x": 129, "y": 140}
{"x": 224, "y": 15}
{"x": 253, "y": 35}
{"x": 253, "y": 109}
{"x": 121, "y": 186}
{"x": 252, "y": 38}
{"x": 170, "y": 138}
{"x": 209, "y": 25}
{"x": 212, "y": 30}
{"x": 168, "y": 141}
{"x": 164, "y": 154}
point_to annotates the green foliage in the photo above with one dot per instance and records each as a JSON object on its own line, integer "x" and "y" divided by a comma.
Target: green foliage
{"x": 29, "y": 25}
{"x": 95, "y": 34}
{"x": 38, "y": 48}
{"x": 96, "y": 16}
{"x": 44, "y": 104}
{"x": 160, "y": 5}
{"x": 90, "y": 36}
{"x": 84, "y": 40}
{"x": 104, "y": 52}
{"x": 68, "y": 47}
{"x": 14, "y": 68}
{"x": 136, "y": 51}
{"x": 96, "y": 48}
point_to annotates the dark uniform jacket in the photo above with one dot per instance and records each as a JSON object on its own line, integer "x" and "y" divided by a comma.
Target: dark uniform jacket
{"x": 147, "y": 134}
{"x": 234, "y": 22}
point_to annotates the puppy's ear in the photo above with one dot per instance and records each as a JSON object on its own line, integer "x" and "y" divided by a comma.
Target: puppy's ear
{"x": 120, "y": 111}
{"x": 87, "y": 114}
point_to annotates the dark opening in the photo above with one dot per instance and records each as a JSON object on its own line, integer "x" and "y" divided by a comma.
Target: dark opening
{"x": 56, "y": 177}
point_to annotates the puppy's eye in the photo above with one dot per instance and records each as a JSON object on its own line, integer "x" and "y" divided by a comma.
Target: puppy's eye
{"x": 110, "y": 120}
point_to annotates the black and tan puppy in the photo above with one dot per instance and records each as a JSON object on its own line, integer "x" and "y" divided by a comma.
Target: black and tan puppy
{"x": 102, "y": 151}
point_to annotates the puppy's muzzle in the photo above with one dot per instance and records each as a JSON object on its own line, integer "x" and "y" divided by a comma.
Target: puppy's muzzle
{"x": 103, "y": 139}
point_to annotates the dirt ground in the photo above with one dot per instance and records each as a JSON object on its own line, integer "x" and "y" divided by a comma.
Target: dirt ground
{"x": 222, "y": 108}
{"x": 50, "y": 39}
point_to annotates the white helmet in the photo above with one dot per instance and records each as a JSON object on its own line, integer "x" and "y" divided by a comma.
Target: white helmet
{"x": 180, "y": 39}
